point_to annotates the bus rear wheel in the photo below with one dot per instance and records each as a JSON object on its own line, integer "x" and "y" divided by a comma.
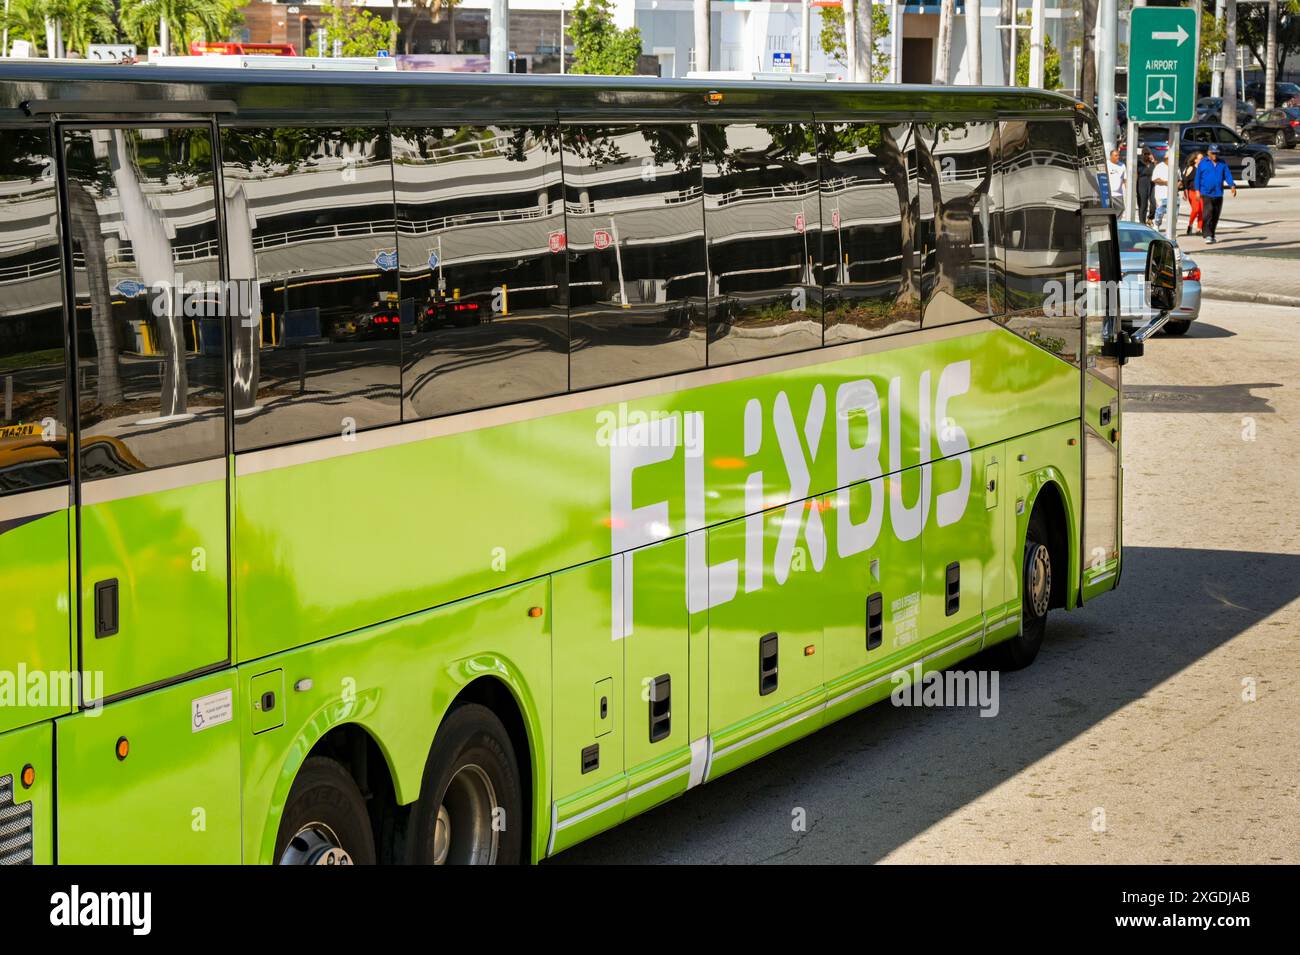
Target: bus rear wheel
{"x": 325, "y": 820}
{"x": 1036, "y": 589}
{"x": 470, "y": 810}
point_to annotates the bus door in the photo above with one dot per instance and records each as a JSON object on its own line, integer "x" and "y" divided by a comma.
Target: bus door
{"x": 34, "y": 492}
{"x": 142, "y": 227}
{"x": 1101, "y": 427}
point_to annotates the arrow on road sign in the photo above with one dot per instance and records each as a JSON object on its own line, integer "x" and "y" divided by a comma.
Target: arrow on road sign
{"x": 1180, "y": 35}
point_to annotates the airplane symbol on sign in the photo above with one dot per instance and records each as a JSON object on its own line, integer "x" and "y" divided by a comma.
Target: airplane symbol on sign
{"x": 1160, "y": 100}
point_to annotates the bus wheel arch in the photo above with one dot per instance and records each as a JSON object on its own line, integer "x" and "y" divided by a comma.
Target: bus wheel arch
{"x": 1044, "y": 565}
{"x": 1049, "y": 508}
{"x": 475, "y": 802}
{"x": 340, "y": 804}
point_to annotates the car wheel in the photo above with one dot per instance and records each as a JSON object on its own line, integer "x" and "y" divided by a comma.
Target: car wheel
{"x": 1279, "y": 139}
{"x": 1177, "y": 328}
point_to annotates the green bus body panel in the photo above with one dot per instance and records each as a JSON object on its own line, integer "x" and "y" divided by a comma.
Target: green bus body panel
{"x": 36, "y": 639}
{"x": 175, "y": 798}
{"x": 318, "y": 553}
{"x": 33, "y": 746}
{"x": 167, "y": 551}
{"x": 396, "y": 682}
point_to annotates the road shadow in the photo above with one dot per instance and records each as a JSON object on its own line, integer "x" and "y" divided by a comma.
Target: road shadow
{"x": 1202, "y": 329}
{"x": 1198, "y": 399}
{"x": 877, "y": 779}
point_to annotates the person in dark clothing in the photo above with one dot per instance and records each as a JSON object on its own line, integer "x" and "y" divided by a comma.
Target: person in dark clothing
{"x": 1146, "y": 195}
{"x": 1212, "y": 176}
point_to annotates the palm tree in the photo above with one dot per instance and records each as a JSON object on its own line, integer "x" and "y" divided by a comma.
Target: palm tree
{"x": 85, "y": 22}
{"x": 26, "y": 21}
{"x": 1270, "y": 57}
{"x": 186, "y": 20}
{"x": 1228, "y": 115}
{"x": 946, "y": 11}
{"x": 702, "y": 40}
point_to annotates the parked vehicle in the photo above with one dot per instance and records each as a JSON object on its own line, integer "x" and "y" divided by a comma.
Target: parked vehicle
{"x": 1134, "y": 240}
{"x": 1209, "y": 109}
{"x": 1277, "y": 127}
{"x": 1283, "y": 93}
{"x": 1249, "y": 162}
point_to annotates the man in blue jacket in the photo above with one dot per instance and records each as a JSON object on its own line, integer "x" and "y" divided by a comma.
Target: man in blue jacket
{"x": 1212, "y": 175}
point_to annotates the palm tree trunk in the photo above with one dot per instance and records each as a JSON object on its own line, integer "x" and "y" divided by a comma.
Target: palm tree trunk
{"x": 1270, "y": 57}
{"x": 1009, "y": 68}
{"x": 1088, "y": 79}
{"x": 86, "y": 229}
{"x": 1229, "y": 114}
{"x": 945, "y": 41}
{"x": 702, "y": 40}
{"x": 851, "y": 40}
{"x": 974, "y": 42}
{"x": 867, "y": 46}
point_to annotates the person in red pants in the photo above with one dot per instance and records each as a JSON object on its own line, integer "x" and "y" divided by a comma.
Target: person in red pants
{"x": 1195, "y": 207}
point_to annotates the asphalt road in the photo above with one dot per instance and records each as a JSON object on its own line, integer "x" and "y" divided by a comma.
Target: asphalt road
{"x": 1130, "y": 739}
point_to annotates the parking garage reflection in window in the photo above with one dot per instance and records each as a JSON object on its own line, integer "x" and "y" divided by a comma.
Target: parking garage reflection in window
{"x": 1040, "y": 232}
{"x": 762, "y": 220}
{"x": 33, "y": 425}
{"x": 636, "y": 248}
{"x": 867, "y": 191}
{"x": 480, "y": 231}
{"x": 151, "y": 353}
{"x": 958, "y": 205}
{"x": 309, "y": 226}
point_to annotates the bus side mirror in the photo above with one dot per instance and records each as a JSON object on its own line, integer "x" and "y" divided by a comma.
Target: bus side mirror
{"x": 1163, "y": 291}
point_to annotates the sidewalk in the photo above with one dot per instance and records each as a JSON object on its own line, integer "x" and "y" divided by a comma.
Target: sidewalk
{"x": 1257, "y": 257}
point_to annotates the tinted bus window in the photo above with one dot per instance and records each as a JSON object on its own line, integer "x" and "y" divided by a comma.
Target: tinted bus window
{"x": 959, "y": 201}
{"x": 636, "y": 247}
{"x": 1040, "y": 232}
{"x": 480, "y": 237}
{"x": 762, "y": 219}
{"x": 33, "y": 425}
{"x": 309, "y": 225}
{"x": 868, "y": 229}
{"x": 146, "y": 263}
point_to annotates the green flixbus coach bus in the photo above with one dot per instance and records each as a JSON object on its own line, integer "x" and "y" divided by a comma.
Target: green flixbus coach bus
{"x": 440, "y": 468}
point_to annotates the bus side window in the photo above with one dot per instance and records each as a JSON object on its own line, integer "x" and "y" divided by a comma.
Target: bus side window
{"x": 481, "y": 259}
{"x": 959, "y": 202}
{"x": 33, "y": 394}
{"x": 313, "y": 256}
{"x": 868, "y": 238}
{"x": 1039, "y": 166}
{"x": 762, "y": 218}
{"x": 636, "y": 251}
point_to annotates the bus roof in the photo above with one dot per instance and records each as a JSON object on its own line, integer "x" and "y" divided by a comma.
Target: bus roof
{"x": 32, "y": 88}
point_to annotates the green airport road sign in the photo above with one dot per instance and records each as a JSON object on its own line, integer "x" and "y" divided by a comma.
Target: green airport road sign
{"x": 1162, "y": 64}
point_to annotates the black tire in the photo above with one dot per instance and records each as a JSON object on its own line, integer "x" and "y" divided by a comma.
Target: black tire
{"x": 1020, "y": 651}
{"x": 1279, "y": 139}
{"x": 1262, "y": 177}
{"x": 325, "y": 820}
{"x": 471, "y": 765}
{"x": 1177, "y": 328}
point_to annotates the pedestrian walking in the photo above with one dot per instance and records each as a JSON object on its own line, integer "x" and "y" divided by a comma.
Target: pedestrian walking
{"x": 1212, "y": 177}
{"x": 1117, "y": 173}
{"x": 1188, "y": 185}
{"x": 1145, "y": 207}
{"x": 1160, "y": 190}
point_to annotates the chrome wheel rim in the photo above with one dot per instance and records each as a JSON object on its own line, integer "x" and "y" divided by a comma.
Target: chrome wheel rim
{"x": 1039, "y": 585}
{"x": 315, "y": 844}
{"x": 463, "y": 832}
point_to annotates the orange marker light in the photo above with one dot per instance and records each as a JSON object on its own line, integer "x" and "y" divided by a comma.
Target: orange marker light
{"x": 810, "y": 649}
{"x": 715, "y": 98}
{"x": 534, "y": 611}
{"x": 27, "y": 776}
{"x": 123, "y": 747}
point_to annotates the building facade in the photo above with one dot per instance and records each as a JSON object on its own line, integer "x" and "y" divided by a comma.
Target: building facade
{"x": 745, "y": 35}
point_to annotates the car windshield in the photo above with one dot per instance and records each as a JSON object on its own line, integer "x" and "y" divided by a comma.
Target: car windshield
{"x": 1136, "y": 238}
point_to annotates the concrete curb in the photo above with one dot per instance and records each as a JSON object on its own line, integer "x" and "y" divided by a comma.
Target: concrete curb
{"x": 1256, "y": 298}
